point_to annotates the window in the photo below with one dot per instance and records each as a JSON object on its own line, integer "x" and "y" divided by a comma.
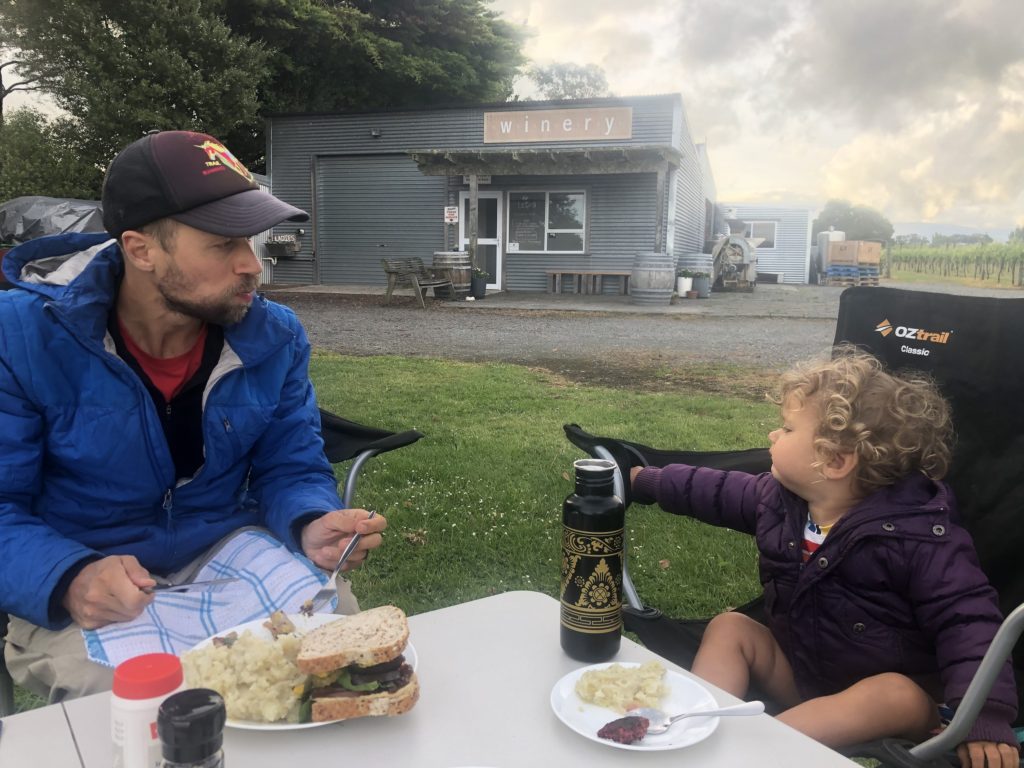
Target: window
{"x": 552, "y": 222}
{"x": 765, "y": 229}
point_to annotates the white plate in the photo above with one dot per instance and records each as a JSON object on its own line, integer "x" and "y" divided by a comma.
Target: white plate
{"x": 685, "y": 694}
{"x": 302, "y": 624}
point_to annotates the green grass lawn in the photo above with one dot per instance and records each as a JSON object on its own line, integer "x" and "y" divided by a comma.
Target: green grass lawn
{"x": 475, "y": 507}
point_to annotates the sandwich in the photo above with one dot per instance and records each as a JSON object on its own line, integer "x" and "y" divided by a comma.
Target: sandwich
{"x": 356, "y": 667}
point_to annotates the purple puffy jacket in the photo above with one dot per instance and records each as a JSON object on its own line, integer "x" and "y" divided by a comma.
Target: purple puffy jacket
{"x": 895, "y": 587}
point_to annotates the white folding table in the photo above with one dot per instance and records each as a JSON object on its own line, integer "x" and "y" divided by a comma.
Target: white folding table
{"x": 486, "y": 671}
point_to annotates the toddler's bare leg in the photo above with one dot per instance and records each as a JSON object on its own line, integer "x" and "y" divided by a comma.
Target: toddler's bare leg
{"x": 886, "y": 705}
{"x": 737, "y": 649}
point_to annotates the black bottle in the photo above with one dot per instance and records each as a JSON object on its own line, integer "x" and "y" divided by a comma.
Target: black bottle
{"x": 593, "y": 527}
{"x": 190, "y": 724}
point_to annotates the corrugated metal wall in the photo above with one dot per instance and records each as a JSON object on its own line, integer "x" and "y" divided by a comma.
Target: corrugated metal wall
{"x": 371, "y": 207}
{"x": 368, "y": 192}
{"x": 790, "y": 258}
{"x": 620, "y": 216}
{"x": 687, "y": 215}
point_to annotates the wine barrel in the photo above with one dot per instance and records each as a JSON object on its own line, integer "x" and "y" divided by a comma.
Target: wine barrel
{"x": 457, "y": 263}
{"x": 653, "y": 279}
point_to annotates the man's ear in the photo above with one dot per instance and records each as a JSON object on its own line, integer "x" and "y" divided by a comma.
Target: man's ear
{"x": 137, "y": 248}
{"x": 841, "y": 465}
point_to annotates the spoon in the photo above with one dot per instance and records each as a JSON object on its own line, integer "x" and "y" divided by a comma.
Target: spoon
{"x": 661, "y": 722}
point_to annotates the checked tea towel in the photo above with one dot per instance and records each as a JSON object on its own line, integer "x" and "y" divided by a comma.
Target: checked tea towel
{"x": 271, "y": 578}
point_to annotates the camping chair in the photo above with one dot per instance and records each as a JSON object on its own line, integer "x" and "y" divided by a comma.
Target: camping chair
{"x": 971, "y": 347}
{"x": 343, "y": 440}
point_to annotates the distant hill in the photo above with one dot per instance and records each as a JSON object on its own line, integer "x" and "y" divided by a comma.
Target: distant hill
{"x": 927, "y": 229}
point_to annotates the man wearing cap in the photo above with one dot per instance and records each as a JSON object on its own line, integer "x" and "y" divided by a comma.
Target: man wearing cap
{"x": 150, "y": 405}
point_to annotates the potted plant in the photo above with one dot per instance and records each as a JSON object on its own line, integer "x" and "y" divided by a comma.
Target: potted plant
{"x": 702, "y": 284}
{"x": 478, "y": 283}
{"x": 684, "y": 281}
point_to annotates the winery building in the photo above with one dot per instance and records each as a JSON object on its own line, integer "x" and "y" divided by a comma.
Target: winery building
{"x": 557, "y": 185}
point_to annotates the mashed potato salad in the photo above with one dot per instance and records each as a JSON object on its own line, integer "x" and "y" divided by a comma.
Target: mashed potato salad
{"x": 257, "y": 677}
{"x": 622, "y": 688}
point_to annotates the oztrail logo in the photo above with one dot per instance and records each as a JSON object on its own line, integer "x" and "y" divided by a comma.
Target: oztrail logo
{"x": 913, "y": 334}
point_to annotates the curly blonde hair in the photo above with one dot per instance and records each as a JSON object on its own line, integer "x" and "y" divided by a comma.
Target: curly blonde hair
{"x": 896, "y": 423}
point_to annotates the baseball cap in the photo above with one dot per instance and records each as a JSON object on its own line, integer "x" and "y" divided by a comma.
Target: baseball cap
{"x": 192, "y": 178}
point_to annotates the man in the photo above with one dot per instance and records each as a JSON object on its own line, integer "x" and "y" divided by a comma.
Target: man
{"x": 150, "y": 405}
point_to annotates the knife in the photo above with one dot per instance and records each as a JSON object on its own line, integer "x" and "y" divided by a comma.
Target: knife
{"x": 190, "y": 585}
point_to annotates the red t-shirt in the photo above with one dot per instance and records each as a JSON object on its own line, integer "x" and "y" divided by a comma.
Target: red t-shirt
{"x": 168, "y": 374}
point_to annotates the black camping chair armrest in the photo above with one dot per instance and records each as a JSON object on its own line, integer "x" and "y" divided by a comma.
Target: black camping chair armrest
{"x": 628, "y": 454}
{"x": 6, "y": 683}
{"x": 344, "y": 440}
{"x": 977, "y": 692}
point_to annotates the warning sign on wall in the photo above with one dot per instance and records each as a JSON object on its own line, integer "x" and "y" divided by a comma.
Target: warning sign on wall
{"x": 451, "y": 214}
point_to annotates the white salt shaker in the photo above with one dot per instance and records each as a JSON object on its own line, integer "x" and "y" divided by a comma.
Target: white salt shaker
{"x": 140, "y": 685}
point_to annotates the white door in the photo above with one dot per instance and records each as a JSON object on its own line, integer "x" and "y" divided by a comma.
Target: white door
{"x": 488, "y": 232}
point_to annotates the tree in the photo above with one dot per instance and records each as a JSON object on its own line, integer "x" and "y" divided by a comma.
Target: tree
{"x": 961, "y": 239}
{"x": 569, "y": 81}
{"x": 859, "y": 222}
{"x": 125, "y": 67}
{"x": 15, "y": 82}
{"x": 1016, "y": 236}
{"x": 910, "y": 240}
{"x": 41, "y": 158}
{"x": 327, "y": 55}
{"x": 129, "y": 66}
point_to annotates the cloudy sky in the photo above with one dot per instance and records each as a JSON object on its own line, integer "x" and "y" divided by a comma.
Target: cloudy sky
{"x": 914, "y": 107}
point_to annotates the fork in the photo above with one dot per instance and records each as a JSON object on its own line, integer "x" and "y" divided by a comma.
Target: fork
{"x": 330, "y": 589}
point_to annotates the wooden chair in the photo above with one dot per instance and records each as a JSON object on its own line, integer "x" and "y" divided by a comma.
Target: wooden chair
{"x": 411, "y": 272}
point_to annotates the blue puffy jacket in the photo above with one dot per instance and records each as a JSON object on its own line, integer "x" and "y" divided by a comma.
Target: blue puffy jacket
{"x": 85, "y": 470}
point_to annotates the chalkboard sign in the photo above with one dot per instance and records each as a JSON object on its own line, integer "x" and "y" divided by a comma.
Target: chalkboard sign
{"x": 526, "y": 220}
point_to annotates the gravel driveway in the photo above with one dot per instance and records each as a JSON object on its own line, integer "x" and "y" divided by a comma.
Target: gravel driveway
{"x": 601, "y": 339}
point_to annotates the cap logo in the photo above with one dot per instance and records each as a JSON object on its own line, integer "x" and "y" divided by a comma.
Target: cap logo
{"x": 219, "y": 158}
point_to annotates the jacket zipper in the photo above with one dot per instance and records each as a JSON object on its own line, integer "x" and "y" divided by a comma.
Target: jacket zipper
{"x": 168, "y": 507}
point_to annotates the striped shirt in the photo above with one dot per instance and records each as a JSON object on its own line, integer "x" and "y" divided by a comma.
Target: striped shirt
{"x": 814, "y": 535}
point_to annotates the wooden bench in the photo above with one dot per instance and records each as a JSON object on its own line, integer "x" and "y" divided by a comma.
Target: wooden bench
{"x": 411, "y": 273}
{"x": 587, "y": 280}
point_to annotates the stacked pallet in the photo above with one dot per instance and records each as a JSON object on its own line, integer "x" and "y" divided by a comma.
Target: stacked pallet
{"x": 868, "y": 275}
{"x": 843, "y": 275}
{"x": 853, "y": 263}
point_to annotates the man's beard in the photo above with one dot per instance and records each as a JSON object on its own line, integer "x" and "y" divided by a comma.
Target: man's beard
{"x": 219, "y": 311}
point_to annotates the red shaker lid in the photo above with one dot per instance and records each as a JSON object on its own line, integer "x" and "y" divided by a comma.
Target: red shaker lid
{"x": 147, "y": 676}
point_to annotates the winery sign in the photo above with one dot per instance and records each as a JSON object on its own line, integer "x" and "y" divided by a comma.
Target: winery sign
{"x": 544, "y": 125}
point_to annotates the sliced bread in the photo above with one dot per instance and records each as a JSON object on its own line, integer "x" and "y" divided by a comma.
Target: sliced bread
{"x": 366, "y": 638}
{"x": 368, "y": 705}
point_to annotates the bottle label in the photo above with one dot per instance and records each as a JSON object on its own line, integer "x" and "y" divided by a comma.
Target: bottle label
{"x": 592, "y": 580}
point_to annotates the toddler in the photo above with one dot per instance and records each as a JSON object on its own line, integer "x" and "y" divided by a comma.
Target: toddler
{"x": 877, "y": 607}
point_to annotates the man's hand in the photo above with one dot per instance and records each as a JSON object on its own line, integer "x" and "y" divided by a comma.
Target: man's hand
{"x": 324, "y": 539}
{"x": 633, "y": 472}
{"x": 987, "y": 754}
{"x": 107, "y": 591}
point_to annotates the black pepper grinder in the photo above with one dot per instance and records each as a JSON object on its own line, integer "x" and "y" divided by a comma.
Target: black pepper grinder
{"x": 593, "y": 528}
{"x": 191, "y": 729}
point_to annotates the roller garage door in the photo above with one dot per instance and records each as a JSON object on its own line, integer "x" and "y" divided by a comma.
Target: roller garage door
{"x": 371, "y": 207}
